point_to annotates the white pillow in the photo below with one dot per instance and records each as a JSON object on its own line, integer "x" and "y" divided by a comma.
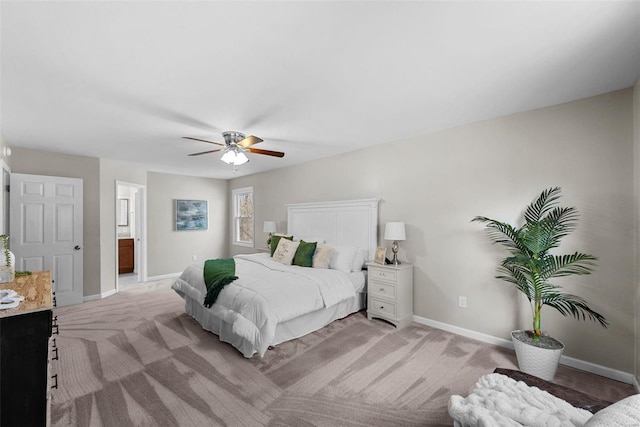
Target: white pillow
{"x": 285, "y": 251}
{"x": 358, "y": 260}
{"x": 342, "y": 258}
{"x": 322, "y": 256}
{"x": 625, "y": 412}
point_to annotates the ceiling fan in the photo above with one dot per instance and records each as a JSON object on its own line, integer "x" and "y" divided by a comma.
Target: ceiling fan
{"x": 235, "y": 146}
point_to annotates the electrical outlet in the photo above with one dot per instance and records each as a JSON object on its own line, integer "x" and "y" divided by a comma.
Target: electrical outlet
{"x": 194, "y": 257}
{"x": 462, "y": 301}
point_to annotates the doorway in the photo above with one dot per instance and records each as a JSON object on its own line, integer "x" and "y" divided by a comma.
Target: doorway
{"x": 130, "y": 236}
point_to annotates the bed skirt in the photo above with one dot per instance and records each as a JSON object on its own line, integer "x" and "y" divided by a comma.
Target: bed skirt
{"x": 285, "y": 331}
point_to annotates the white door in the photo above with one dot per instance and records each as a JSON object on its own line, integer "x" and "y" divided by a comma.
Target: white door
{"x": 46, "y": 230}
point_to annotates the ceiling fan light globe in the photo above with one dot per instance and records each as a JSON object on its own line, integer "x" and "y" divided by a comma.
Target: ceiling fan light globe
{"x": 240, "y": 159}
{"x": 234, "y": 156}
{"x": 229, "y": 157}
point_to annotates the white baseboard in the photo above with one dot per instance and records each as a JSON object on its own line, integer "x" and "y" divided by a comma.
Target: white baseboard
{"x": 604, "y": 371}
{"x": 99, "y": 296}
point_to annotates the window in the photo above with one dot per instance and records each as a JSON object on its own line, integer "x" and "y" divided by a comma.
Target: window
{"x": 243, "y": 216}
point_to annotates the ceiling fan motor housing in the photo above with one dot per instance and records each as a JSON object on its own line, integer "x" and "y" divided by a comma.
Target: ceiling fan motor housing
{"x": 232, "y": 137}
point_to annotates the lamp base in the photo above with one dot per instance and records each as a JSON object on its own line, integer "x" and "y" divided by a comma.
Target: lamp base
{"x": 394, "y": 249}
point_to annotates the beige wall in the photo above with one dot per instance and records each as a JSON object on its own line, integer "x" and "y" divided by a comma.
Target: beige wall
{"x": 436, "y": 183}
{"x": 170, "y": 251}
{"x": 38, "y": 162}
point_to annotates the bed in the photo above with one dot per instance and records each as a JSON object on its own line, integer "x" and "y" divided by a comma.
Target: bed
{"x": 271, "y": 302}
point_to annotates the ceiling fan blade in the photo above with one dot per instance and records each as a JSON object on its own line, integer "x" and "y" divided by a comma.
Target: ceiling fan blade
{"x": 203, "y": 140}
{"x": 267, "y": 152}
{"x": 205, "y": 152}
{"x": 248, "y": 141}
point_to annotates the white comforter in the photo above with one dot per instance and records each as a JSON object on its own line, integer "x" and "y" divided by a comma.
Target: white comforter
{"x": 265, "y": 294}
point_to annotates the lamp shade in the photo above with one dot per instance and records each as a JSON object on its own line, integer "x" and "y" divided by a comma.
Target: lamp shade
{"x": 270, "y": 227}
{"x": 394, "y": 231}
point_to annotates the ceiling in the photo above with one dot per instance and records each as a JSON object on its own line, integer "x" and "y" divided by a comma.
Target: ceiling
{"x": 126, "y": 80}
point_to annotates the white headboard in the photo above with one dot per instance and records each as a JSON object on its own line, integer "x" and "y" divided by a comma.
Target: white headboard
{"x": 341, "y": 223}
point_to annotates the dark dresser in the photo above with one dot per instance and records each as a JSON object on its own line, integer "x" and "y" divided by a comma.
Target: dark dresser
{"x": 25, "y": 333}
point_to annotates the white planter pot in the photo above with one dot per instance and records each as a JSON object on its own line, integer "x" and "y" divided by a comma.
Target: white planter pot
{"x": 535, "y": 360}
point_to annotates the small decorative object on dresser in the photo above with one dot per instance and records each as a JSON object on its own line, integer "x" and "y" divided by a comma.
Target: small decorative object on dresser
{"x": 380, "y": 255}
{"x": 7, "y": 261}
{"x": 390, "y": 293}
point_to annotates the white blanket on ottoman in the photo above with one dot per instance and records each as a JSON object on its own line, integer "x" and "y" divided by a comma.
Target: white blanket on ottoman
{"x": 497, "y": 400}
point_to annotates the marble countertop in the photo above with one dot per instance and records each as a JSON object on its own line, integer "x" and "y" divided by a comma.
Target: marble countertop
{"x": 36, "y": 290}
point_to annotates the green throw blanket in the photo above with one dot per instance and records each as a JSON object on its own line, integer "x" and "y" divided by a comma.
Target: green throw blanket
{"x": 217, "y": 274}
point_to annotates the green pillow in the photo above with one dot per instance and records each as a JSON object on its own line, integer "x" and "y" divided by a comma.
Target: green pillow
{"x": 275, "y": 239}
{"x": 304, "y": 254}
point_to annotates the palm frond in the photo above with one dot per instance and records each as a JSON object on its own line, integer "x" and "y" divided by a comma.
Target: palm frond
{"x": 567, "y": 265}
{"x": 536, "y": 238}
{"x": 559, "y": 223}
{"x": 572, "y": 305}
{"x": 546, "y": 201}
{"x": 515, "y": 275}
{"x": 500, "y": 232}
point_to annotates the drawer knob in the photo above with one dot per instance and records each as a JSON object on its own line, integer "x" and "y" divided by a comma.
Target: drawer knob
{"x": 382, "y": 307}
{"x": 381, "y": 289}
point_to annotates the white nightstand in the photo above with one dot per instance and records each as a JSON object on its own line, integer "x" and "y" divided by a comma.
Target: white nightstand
{"x": 390, "y": 293}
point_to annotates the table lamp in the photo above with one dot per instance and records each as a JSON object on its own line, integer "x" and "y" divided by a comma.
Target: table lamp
{"x": 394, "y": 231}
{"x": 270, "y": 227}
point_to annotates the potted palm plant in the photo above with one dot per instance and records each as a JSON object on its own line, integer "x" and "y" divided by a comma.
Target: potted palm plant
{"x": 530, "y": 267}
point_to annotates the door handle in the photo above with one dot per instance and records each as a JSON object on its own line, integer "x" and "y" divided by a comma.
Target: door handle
{"x": 76, "y": 248}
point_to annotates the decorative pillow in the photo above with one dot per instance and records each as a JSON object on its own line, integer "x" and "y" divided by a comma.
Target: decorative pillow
{"x": 285, "y": 251}
{"x": 304, "y": 254}
{"x": 358, "y": 260}
{"x": 322, "y": 256}
{"x": 625, "y": 412}
{"x": 275, "y": 239}
{"x": 342, "y": 258}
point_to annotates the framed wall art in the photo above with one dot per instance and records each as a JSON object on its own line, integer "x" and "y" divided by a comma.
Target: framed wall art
{"x": 191, "y": 215}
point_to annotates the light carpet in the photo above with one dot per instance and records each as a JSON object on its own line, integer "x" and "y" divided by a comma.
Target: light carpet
{"x": 135, "y": 359}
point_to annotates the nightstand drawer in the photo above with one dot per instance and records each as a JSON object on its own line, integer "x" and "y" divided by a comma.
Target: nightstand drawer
{"x": 388, "y": 274}
{"x": 383, "y": 289}
{"x": 382, "y": 307}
